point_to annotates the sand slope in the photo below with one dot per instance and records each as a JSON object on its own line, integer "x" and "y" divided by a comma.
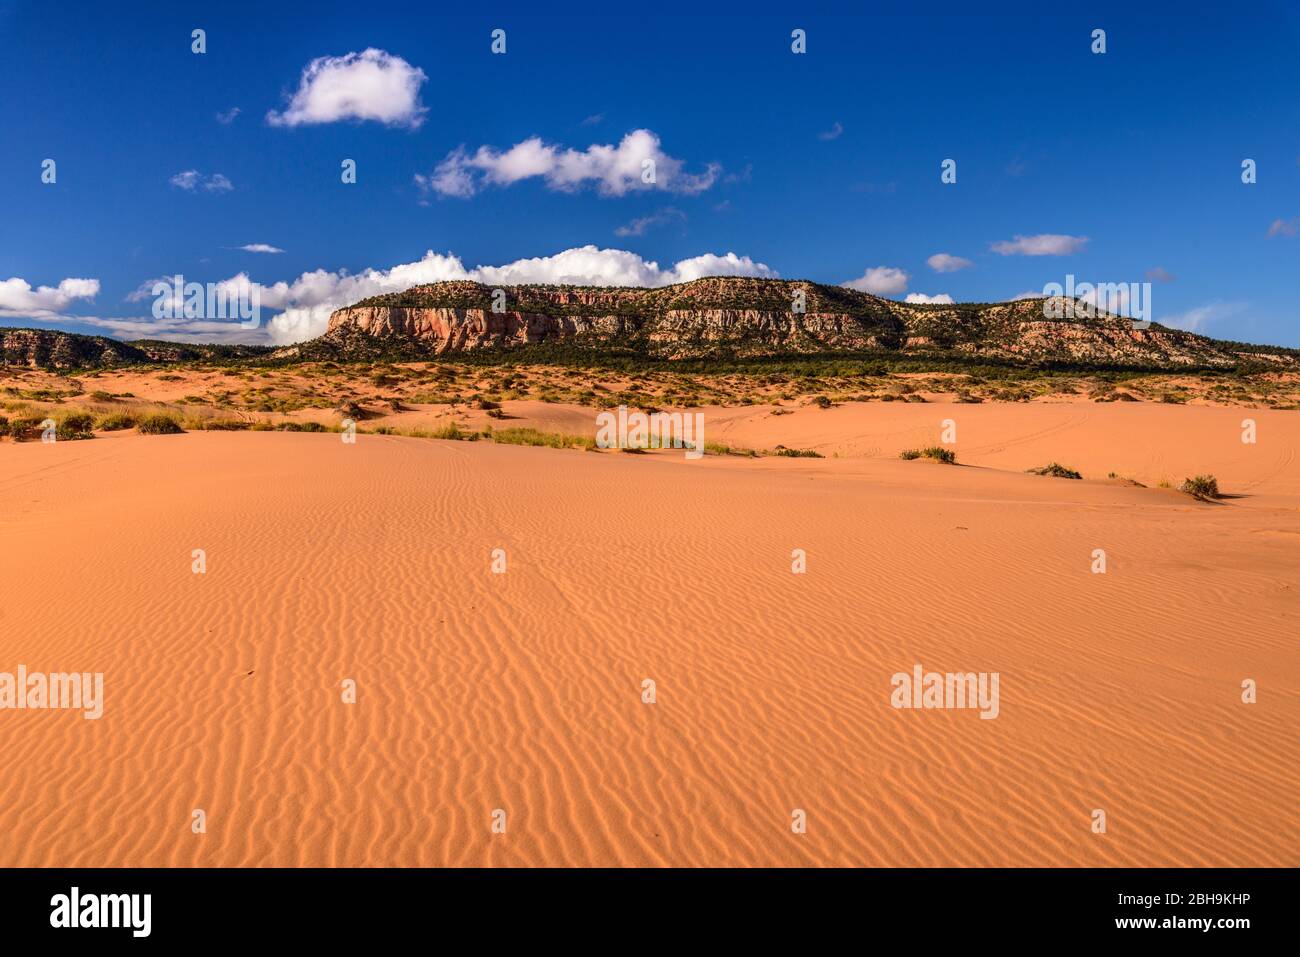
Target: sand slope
{"x": 522, "y": 691}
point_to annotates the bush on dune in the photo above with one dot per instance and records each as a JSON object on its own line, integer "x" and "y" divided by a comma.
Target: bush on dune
{"x": 554, "y": 440}
{"x": 24, "y": 428}
{"x": 1201, "y": 486}
{"x": 1056, "y": 471}
{"x": 936, "y": 452}
{"x": 159, "y": 425}
{"x": 75, "y": 426}
{"x": 115, "y": 422}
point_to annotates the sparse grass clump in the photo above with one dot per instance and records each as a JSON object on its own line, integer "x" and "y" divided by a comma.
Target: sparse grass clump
{"x": 1056, "y": 471}
{"x": 159, "y": 424}
{"x": 75, "y": 426}
{"x": 796, "y": 453}
{"x": 25, "y": 427}
{"x": 554, "y": 440}
{"x": 1201, "y": 486}
{"x": 936, "y": 452}
{"x": 115, "y": 422}
{"x": 450, "y": 432}
{"x": 720, "y": 448}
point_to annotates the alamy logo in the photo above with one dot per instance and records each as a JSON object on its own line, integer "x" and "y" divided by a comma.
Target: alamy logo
{"x": 657, "y": 430}
{"x": 74, "y": 909}
{"x": 1084, "y": 300}
{"x": 74, "y": 690}
{"x": 946, "y": 690}
{"x": 179, "y": 299}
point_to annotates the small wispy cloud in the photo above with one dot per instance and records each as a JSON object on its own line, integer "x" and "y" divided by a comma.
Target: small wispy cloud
{"x": 1159, "y": 274}
{"x": 191, "y": 179}
{"x": 1194, "y": 320}
{"x": 1043, "y": 244}
{"x": 741, "y": 176}
{"x": 227, "y": 117}
{"x": 943, "y": 262}
{"x": 834, "y": 133}
{"x": 261, "y": 248}
{"x": 660, "y": 217}
{"x": 594, "y": 119}
{"x": 1284, "y": 227}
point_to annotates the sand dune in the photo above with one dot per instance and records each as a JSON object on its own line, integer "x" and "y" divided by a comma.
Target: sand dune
{"x": 522, "y": 691}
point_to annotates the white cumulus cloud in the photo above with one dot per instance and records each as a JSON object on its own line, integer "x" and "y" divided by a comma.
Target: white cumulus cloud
{"x": 880, "y": 281}
{"x": 261, "y": 248}
{"x": 921, "y": 299}
{"x": 371, "y": 85}
{"x": 638, "y": 162}
{"x": 19, "y": 299}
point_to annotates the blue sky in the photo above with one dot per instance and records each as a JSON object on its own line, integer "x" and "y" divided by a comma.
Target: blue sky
{"x": 818, "y": 166}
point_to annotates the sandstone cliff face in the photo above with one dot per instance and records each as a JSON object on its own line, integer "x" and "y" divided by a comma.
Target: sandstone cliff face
{"x": 674, "y": 332}
{"x": 750, "y": 317}
{"x": 463, "y": 329}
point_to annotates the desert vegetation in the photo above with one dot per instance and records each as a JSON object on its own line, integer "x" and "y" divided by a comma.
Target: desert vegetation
{"x": 936, "y": 452}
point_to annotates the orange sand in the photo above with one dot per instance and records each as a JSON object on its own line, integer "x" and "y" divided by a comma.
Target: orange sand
{"x": 522, "y": 691}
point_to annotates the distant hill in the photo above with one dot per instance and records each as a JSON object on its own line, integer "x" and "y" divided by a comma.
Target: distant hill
{"x": 53, "y": 349}
{"x": 720, "y": 317}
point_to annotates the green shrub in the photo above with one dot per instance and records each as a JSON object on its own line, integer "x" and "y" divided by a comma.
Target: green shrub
{"x": 1056, "y": 471}
{"x": 77, "y": 425}
{"x": 720, "y": 448}
{"x": 554, "y": 440}
{"x": 1201, "y": 486}
{"x": 936, "y": 452}
{"x": 25, "y": 428}
{"x": 159, "y": 425}
{"x": 451, "y": 431}
{"x": 115, "y": 422}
